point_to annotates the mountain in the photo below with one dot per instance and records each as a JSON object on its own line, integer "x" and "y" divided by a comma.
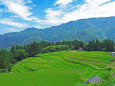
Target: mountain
{"x": 83, "y": 29}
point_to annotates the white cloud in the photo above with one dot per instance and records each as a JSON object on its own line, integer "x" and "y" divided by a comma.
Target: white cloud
{"x": 12, "y": 23}
{"x": 90, "y": 9}
{"x": 19, "y": 8}
{"x": 29, "y": 1}
{"x": 67, "y": 11}
{"x": 11, "y": 30}
{"x": 63, "y": 2}
{"x": 53, "y": 17}
{"x": 96, "y": 2}
{"x": 37, "y": 26}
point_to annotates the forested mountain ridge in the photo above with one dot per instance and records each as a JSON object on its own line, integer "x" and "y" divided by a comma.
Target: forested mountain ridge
{"x": 83, "y": 30}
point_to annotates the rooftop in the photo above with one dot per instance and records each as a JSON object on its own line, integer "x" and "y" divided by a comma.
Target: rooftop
{"x": 94, "y": 79}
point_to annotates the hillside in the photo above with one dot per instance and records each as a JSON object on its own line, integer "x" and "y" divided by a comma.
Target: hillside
{"x": 62, "y": 68}
{"x": 84, "y": 30}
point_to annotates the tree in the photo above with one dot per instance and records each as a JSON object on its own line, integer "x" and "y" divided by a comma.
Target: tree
{"x": 91, "y": 45}
{"x": 108, "y": 45}
{"x": 54, "y": 48}
{"x": 98, "y": 45}
{"x": 21, "y": 54}
{"x": 5, "y": 59}
{"x": 14, "y": 53}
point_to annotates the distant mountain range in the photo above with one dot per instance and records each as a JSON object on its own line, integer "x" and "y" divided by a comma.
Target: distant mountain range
{"x": 84, "y": 30}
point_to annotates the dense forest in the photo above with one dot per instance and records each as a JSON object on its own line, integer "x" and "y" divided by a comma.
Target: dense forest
{"x": 17, "y": 53}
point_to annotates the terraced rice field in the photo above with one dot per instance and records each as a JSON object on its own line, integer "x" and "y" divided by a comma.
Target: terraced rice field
{"x": 64, "y": 68}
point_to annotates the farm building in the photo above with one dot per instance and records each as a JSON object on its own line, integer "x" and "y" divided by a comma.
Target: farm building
{"x": 94, "y": 79}
{"x": 113, "y": 53}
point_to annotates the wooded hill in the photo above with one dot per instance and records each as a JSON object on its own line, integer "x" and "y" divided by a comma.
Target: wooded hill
{"x": 83, "y": 30}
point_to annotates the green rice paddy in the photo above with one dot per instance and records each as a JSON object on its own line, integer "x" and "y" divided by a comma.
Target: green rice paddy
{"x": 64, "y": 68}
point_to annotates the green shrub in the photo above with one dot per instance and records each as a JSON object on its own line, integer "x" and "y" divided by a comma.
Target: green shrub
{"x": 54, "y": 48}
{"x": 3, "y": 70}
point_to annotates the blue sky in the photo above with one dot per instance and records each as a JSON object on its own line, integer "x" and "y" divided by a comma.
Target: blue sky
{"x": 17, "y": 15}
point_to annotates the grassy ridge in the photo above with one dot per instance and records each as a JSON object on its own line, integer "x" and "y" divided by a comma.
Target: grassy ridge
{"x": 64, "y": 68}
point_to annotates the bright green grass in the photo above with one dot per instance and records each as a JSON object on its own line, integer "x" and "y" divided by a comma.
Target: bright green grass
{"x": 64, "y": 68}
{"x": 37, "y": 79}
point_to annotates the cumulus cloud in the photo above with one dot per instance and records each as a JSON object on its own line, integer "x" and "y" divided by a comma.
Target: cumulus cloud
{"x": 29, "y": 1}
{"x": 63, "y": 2}
{"x": 19, "y": 8}
{"x": 96, "y": 2}
{"x": 90, "y": 9}
{"x": 53, "y": 17}
{"x": 12, "y": 23}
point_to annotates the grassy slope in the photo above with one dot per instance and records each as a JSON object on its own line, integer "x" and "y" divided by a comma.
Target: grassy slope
{"x": 65, "y": 68}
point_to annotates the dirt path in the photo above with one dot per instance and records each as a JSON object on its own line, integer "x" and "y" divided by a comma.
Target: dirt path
{"x": 107, "y": 65}
{"x": 89, "y": 61}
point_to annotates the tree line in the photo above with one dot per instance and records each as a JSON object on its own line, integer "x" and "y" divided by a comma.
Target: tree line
{"x": 17, "y": 53}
